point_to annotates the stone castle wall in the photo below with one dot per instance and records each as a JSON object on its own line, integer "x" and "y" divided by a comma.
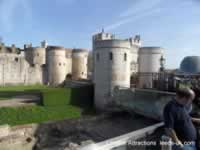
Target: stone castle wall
{"x": 139, "y": 100}
{"x": 36, "y": 65}
{"x": 36, "y": 55}
{"x": 14, "y": 69}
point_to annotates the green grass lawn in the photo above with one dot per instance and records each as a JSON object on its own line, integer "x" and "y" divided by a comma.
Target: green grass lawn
{"x": 37, "y": 114}
{"x": 56, "y": 97}
{"x": 21, "y": 88}
{"x": 57, "y": 104}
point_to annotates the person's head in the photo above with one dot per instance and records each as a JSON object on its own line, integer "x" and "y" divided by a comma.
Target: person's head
{"x": 185, "y": 96}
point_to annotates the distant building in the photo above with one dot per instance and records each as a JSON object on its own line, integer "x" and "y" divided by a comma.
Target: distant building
{"x": 190, "y": 64}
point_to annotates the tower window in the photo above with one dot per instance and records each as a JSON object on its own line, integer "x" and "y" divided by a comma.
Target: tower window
{"x": 125, "y": 56}
{"x": 111, "y": 55}
{"x": 98, "y": 57}
{"x": 16, "y": 59}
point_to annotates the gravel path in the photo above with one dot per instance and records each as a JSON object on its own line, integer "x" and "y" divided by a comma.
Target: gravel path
{"x": 20, "y": 101}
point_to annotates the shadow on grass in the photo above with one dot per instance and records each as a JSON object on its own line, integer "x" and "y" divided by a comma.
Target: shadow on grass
{"x": 83, "y": 97}
{"x": 11, "y": 94}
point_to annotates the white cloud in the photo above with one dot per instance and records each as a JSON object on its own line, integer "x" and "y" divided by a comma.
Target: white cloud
{"x": 140, "y": 7}
{"x": 144, "y": 8}
{"x": 136, "y": 11}
{"x": 9, "y": 9}
{"x": 131, "y": 19}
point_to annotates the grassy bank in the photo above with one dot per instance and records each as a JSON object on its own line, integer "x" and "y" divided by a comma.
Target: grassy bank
{"x": 36, "y": 114}
{"x": 57, "y": 104}
{"x": 21, "y": 88}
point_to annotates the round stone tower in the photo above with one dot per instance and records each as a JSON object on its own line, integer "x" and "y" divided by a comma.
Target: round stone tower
{"x": 79, "y": 64}
{"x": 56, "y": 62}
{"x": 135, "y": 46}
{"x": 35, "y": 55}
{"x": 111, "y": 68}
{"x": 149, "y": 63}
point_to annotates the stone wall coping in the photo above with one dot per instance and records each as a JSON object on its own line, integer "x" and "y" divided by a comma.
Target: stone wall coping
{"x": 122, "y": 140}
{"x": 155, "y": 91}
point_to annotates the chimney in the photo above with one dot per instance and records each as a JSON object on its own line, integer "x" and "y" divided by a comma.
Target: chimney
{"x": 13, "y": 46}
{"x": 44, "y": 44}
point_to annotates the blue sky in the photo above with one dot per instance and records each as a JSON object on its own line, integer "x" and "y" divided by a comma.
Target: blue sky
{"x": 171, "y": 24}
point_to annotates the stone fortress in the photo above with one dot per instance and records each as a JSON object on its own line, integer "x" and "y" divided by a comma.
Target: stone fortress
{"x": 110, "y": 64}
{"x": 49, "y": 65}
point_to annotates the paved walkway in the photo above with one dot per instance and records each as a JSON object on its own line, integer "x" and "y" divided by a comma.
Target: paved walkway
{"x": 20, "y": 101}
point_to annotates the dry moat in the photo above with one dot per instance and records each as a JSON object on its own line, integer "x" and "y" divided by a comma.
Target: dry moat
{"x": 61, "y": 135}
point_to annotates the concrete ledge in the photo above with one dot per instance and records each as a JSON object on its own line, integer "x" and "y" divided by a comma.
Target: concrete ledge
{"x": 4, "y": 130}
{"x": 155, "y": 91}
{"x": 122, "y": 140}
{"x": 8, "y": 133}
